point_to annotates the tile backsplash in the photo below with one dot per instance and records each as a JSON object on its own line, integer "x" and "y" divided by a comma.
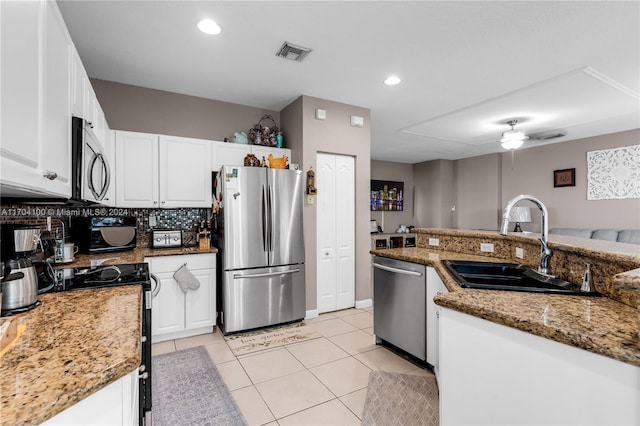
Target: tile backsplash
{"x": 184, "y": 219}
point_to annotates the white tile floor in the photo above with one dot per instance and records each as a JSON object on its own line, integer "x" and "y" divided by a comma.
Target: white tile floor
{"x": 316, "y": 382}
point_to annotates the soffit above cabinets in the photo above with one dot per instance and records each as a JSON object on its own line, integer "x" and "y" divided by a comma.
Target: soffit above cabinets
{"x": 577, "y": 102}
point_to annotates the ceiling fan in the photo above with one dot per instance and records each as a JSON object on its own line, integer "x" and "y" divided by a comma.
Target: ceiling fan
{"x": 513, "y": 139}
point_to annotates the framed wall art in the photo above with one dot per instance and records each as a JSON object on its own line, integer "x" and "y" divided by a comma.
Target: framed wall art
{"x": 387, "y": 195}
{"x": 564, "y": 177}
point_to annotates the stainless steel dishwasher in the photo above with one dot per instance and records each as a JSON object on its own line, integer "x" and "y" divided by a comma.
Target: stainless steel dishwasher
{"x": 399, "y": 304}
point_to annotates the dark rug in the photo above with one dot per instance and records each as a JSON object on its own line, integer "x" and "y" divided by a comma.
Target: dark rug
{"x": 401, "y": 399}
{"x": 187, "y": 390}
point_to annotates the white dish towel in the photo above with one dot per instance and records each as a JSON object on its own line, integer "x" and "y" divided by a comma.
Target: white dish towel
{"x": 185, "y": 279}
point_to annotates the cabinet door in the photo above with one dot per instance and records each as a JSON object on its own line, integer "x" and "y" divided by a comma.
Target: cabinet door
{"x": 78, "y": 81}
{"x": 20, "y": 86}
{"x": 167, "y": 314}
{"x": 56, "y": 130}
{"x": 185, "y": 172}
{"x": 200, "y": 308}
{"x": 136, "y": 175}
{"x": 228, "y": 154}
{"x": 435, "y": 286}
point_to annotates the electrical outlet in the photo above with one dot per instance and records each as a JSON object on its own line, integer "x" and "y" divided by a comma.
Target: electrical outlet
{"x": 152, "y": 220}
{"x": 434, "y": 242}
{"x": 486, "y": 247}
{"x": 519, "y": 252}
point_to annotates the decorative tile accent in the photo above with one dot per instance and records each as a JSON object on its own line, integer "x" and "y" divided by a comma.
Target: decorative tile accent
{"x": 613, "y": 173}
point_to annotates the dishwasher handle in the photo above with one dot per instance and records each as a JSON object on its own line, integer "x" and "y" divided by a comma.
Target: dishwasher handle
{"x": 397, "y": 270}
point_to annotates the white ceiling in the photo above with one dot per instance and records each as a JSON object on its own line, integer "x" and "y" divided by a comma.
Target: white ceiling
{"x": 466, "y": 67}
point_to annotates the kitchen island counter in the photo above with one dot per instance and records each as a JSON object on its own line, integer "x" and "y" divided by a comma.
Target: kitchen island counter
{"x": 74, "y": 344}
{"x": 597, "y": 324}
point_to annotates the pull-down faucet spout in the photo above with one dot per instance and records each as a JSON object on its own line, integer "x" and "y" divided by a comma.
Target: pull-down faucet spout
{"x": 545, "y": 251}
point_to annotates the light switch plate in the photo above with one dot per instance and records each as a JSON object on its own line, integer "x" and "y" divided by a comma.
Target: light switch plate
{"x": 321, "y": 114}
{"x": 519, "y": 252}
{"x": 357, "y": 121}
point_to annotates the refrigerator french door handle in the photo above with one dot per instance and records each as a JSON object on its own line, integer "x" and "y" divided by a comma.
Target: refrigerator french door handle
{"x": 265, "y": 274}
{"x": 271, "y": 220}
{"x": 264, "y": 219}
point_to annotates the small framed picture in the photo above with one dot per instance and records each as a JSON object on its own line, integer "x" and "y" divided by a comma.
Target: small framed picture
{"x": 564, "y": 177}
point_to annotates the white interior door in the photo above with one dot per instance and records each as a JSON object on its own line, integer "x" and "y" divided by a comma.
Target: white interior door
{"x": 335, "y": 181}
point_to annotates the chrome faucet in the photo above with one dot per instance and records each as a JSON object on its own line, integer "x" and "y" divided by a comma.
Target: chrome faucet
{"x": 545, "y": 251}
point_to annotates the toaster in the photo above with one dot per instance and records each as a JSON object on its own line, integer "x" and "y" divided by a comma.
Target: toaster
{"x": 163, "y": 238}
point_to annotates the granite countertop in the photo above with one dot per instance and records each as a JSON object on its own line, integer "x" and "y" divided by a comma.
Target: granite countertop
{"x": 136, "y": 255}
{"x": 74, "y": 344}
{"x": 596, "y": 324}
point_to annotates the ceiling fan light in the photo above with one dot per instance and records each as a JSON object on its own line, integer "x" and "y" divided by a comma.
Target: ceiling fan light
{"x": 512, "y": 143}
{"x": 209, "y": 26}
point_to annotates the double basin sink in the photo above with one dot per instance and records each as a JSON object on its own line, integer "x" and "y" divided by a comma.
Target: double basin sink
{"x": 510, "y": 277}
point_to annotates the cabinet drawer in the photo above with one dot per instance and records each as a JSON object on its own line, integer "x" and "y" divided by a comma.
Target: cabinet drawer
{"x": 172, "y": 263}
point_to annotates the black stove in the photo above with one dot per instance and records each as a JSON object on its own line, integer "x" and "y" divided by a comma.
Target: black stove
{"x": 71, "y": 279}
{"x": 102, "y": 276}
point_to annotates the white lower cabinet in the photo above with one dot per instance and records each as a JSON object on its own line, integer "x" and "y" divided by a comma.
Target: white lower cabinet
{"x": 115, "y": 404}
{"x": 491, "y": 374}
{"x": 176, "y": 314}
{"x": 435, "y": 286}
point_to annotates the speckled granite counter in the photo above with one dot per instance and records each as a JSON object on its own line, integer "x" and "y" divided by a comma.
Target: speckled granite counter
{"x": 600, "y": 325}
{"x": 136, "y": 255}
{"x": 74, "y": 344}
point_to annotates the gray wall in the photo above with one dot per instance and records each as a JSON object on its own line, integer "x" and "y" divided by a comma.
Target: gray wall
{"x": 139, "y": 109}
{"x": 398, "y": 172}
{"x": 335, "y": 136}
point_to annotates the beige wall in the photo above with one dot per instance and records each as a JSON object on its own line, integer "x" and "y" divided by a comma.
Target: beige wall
{"x": 532, "y": 173}
{"x": 477, "y": 201}
{"x": 139, "y": 109}
{"x": 483, "y": 185}
{"x": 397, "y": 172}
{"x": 335, "y": 136}
{"x": 434, "y": 194}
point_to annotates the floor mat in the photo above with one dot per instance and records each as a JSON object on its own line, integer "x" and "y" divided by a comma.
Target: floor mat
{"x": 245, "y": 343}
{"x": 187, "y": 390}
{"x": 401, "y": 399}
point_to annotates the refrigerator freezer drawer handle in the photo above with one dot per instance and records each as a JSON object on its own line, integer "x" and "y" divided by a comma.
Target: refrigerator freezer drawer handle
{"x": 397, "y": 271}
{"x": 266, "y": 274}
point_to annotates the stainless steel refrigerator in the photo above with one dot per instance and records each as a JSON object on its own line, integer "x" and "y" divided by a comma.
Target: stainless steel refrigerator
{"x": 261, "y": 247}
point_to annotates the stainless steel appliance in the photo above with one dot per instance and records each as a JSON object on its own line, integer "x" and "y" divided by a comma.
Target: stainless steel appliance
{"x": 22, "y": 252}
{"x": 261, "y": 247}
{"x": 399, "y": 305}
{"x": 99, "y": 234}
{"x": 69, "y": 279}
{"x": 90, "y": 173}
{"x": 163, "y": 238}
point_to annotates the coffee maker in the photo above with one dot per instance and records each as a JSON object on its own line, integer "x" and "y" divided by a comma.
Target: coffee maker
{"x": 24, "y": 260}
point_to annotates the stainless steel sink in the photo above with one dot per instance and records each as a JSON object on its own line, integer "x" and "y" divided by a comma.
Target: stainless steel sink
{"x": 510, "y": 277}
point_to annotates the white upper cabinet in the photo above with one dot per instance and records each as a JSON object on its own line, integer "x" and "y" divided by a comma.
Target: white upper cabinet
{"x": 79, "y": 83}
{"x": 162, "y": 171}
{"x": 228, "y": 154}
{"x": 35, "y": 119}
{"x": 56, "y": 135}
{"x": 136, "y": 175}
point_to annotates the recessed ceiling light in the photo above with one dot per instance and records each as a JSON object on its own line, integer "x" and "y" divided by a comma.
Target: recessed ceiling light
{"x": 392, "y": 80}
{"x": 209, "y": 26}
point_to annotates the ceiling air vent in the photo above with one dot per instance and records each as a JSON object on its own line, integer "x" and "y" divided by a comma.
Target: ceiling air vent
{"x": 549, "y": 134}
{"x": 293, "y": 52}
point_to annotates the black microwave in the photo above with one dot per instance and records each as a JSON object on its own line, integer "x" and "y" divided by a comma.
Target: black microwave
{"x": 100, "y": 234}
